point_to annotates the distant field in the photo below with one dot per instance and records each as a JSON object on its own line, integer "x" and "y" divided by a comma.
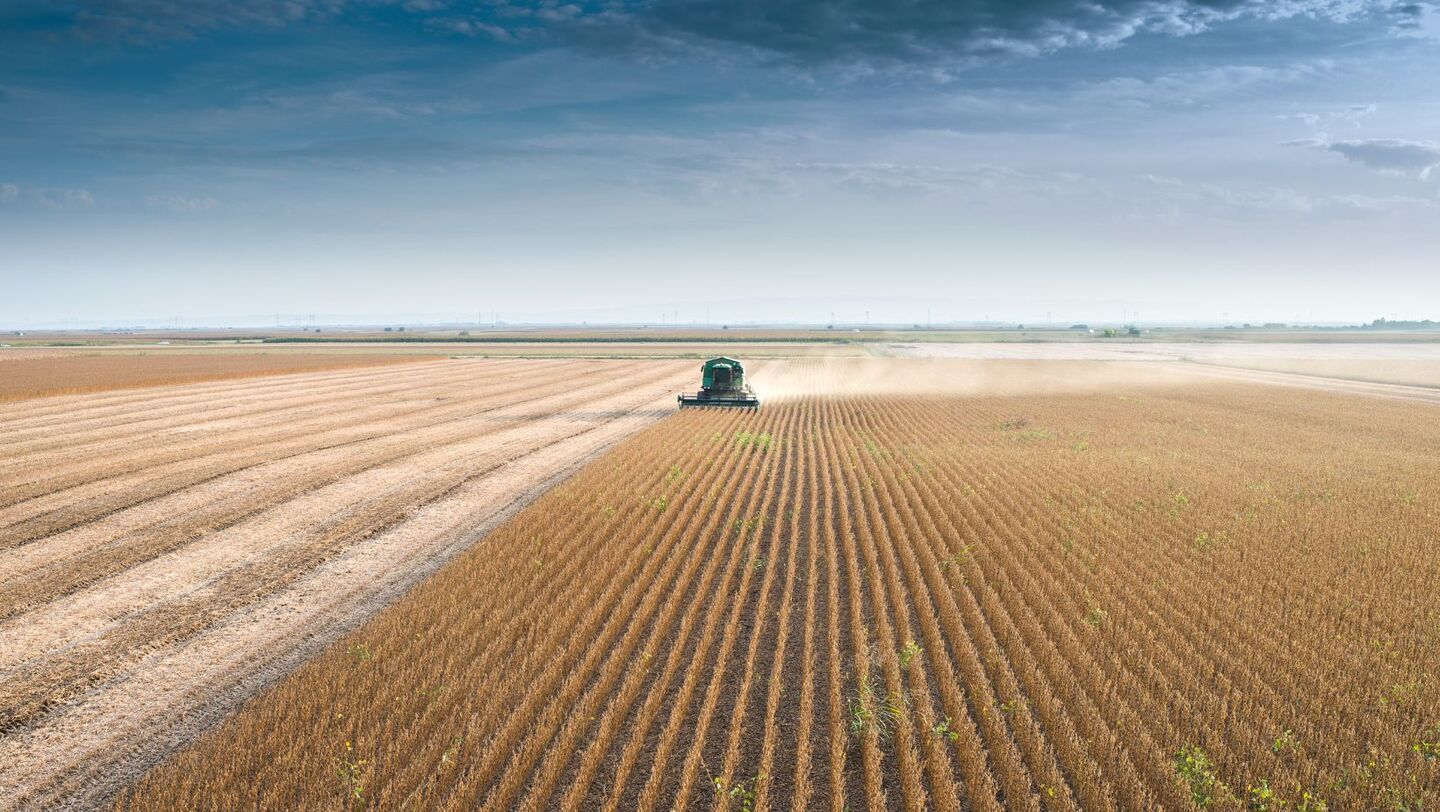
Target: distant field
{"x": 739, "y": 336}
{"x": 749, "y": 351}
{"x": 1406, "y": 372}
{"x": 1081, "y": 592}
{"x": 1407, "y": 363}
{"x": 40, "y": 373}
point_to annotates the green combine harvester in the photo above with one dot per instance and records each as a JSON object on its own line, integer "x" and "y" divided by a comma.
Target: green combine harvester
{"x": 722, "y": 383}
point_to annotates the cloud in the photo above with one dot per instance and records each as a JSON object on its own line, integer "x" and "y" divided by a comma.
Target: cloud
{"x": 181, "y": 203}
{"x": 63, "y": 198}
{"x": 820, "y": 31}
{"x": 1189, "y": 88}
{"x": 1416, "y": 19}
{"x": 150, "y": 20}
{"x": 1354, "y": 115}
{"x": 1242, "y": 202}
{"x": 476, "y": 28}
{"x": 1396, "y": 156}
{"x": 854, "y": 32}
{"x": 885, "y": 180}
{"x": 49, "y": 198}
{"x": 376, "y": 153}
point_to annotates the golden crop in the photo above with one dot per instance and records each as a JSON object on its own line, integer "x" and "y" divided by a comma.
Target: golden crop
{"x": 1221, "y": 596}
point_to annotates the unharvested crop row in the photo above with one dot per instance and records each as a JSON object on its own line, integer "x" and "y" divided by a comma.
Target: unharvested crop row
{"x": 1144, "y": 599}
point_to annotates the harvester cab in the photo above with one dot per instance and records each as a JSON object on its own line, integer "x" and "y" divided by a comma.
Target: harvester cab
{"x": 722, "y": 383}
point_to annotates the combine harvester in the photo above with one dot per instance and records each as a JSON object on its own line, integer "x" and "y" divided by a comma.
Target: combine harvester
{"x": 722, "y": 383}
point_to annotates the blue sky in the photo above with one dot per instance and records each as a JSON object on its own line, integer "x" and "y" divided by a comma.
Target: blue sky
{"x": 759, "y": 159}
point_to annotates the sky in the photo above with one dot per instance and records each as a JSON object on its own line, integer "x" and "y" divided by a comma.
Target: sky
{"x": 208, "y": 162}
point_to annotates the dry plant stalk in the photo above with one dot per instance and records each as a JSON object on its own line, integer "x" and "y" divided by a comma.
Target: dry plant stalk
{"x": 1161, "y": 598}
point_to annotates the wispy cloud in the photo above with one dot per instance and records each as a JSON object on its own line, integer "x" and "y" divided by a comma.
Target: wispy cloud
{"x": 53, "y": 198}
{"x": 1186, "y": 88}
{"x": 150, "y": 20}
{"x": 1243, "y": 202}
{"x": 1353, "y": 115}
{"x": 64, "y": 198}
{"x": 181, "y": 203}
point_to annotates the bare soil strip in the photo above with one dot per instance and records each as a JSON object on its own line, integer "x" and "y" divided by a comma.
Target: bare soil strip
{"x": 169, "y": 577}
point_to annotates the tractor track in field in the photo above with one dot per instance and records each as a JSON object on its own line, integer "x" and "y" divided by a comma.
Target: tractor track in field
{"x": 126, "y": 631}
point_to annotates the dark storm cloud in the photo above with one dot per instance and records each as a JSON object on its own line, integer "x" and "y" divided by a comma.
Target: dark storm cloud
{"x": 811, "y": 31}
{"x": 831, "y": 30}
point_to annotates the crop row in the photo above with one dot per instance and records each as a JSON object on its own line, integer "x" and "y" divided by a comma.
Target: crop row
{"x": 1215, "y": 597}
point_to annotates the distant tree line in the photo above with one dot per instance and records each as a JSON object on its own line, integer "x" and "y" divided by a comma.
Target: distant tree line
{"x": 1387, "y": 324}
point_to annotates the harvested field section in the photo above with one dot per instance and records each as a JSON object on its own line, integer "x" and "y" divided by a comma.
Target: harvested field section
{"x": 1406, "y": 372}
{"x": 61, "y": 373}
{"x": 1219, "y": 595}
{"x": 147, "y": 538}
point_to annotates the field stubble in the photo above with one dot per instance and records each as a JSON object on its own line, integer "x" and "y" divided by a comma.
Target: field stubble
{"x": 45, "y": 373}
{"x": 164, "y": 553}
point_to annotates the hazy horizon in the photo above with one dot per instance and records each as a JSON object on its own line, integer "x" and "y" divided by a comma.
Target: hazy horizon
{"x": 781, "y": 313}
{"x": 1046, "y": 160}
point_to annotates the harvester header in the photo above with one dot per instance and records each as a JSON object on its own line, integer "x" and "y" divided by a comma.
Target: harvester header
{"x": 722, "y": 383}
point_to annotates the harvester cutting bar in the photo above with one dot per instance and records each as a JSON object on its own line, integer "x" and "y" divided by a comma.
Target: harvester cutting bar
{"x": 728, "y": 401}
